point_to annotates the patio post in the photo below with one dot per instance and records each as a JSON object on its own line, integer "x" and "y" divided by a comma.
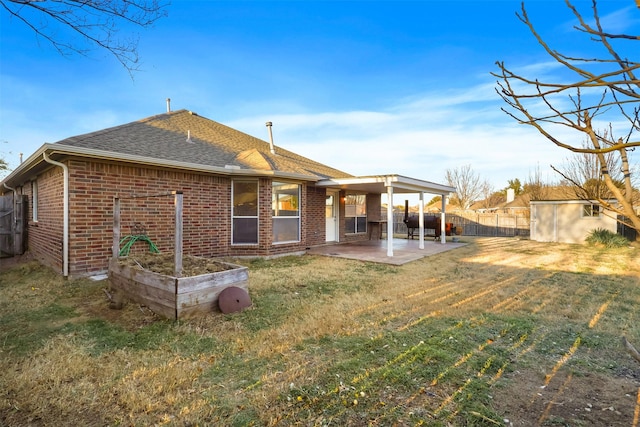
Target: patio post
{"x": 421, "y": 220}
{"x": 443, "y": 226}
{"x": 389, "y": 220}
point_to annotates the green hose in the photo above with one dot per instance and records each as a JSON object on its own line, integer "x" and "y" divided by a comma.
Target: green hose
{"x": 130, "y": 240}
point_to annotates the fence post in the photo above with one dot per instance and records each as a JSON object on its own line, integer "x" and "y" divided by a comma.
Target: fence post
{"x": 178, "y": 237}
{"x": 115, "y": 249}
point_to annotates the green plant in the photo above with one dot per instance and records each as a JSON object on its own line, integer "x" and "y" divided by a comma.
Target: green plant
{"x": 607, "y": 238}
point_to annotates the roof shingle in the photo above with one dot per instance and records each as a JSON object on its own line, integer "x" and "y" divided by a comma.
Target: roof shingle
{"x": 164, "y": 137}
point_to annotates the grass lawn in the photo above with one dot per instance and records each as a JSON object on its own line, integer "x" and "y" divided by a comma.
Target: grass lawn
{"x": 499, "y": 332}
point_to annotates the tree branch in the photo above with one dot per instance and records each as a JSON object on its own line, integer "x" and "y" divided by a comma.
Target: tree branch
{"x": 96, "y": 22}
{"x": 618, "y": 87}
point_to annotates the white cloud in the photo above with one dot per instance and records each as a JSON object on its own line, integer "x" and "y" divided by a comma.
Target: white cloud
{"x": 620, "y": 20}
{"x": 420, "y": 137}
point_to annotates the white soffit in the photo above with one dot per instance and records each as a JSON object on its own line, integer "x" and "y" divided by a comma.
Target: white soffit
{"x": 379, "y": 184}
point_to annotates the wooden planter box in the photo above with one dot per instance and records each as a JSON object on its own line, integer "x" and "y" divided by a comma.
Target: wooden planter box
{"x": 174, "y": 297}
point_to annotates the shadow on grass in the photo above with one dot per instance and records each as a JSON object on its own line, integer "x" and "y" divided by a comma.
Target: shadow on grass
{"x": 498, "y": 329}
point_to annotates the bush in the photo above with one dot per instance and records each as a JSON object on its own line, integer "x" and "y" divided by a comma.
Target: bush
{"x": 606, "y": 238}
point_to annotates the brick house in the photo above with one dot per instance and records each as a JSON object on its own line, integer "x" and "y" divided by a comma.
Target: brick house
{"x": 242, "y": 196}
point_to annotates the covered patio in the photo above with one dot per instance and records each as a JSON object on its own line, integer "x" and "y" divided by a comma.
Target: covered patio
{"x": 390, "y": 185}
{"x": 405, "y": 250}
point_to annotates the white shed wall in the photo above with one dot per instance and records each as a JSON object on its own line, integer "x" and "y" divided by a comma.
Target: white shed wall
{"x": 562, "y": 222}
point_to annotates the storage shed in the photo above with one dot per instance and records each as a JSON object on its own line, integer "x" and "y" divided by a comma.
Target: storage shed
{"x": 568, "y": 221}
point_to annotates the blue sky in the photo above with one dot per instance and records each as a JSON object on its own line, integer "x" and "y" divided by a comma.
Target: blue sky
{"x": 368, "y": 87}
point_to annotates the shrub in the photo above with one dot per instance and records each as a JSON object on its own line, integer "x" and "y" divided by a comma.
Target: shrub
{"x": 606, "y": 238}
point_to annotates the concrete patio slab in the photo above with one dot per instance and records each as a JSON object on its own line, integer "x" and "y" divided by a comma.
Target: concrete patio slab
{"x": 404, "y": 250}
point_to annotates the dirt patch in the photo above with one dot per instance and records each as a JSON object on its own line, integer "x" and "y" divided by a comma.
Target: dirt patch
{"x": 571, "y": 398}
{"x": 165, "y": 264}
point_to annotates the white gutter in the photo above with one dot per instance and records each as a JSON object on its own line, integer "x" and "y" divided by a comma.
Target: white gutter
{"x": 15, "y": 193}
{"x": 65, "y": 214}
{"x": 152, "y": 161}
{"x": 149, "y": 161}
{"x": 15, "y": 219}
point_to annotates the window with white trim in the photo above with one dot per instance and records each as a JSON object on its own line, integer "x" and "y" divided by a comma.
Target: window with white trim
{"x": 285, "y": 205}
{"x": 355, "y": 213}
{"x": 244, "y": 212}
{"x": 590, "y": 211}
{"x": 34, "y": 201}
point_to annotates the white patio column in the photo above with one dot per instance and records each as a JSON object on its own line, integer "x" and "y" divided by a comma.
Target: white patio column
{"x": 421, "y": 220}
{"x": 389, "y": 220}
{"x": 443, "y": 236}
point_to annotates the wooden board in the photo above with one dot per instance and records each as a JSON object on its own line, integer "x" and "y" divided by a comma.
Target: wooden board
{"x": 173, "y": 297}
{"x": 203, "y": 301}
{"x": 140, "y": 288}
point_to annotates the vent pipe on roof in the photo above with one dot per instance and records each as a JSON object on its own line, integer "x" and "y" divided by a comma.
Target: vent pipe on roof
{"x": 272, "y": 148}
{"x": 189, "y": 137}
{"x": 168, "y": 105}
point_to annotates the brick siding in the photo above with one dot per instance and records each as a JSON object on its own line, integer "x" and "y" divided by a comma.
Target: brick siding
{"x": 314, "y": 222}
{"x": 206, "y": 214}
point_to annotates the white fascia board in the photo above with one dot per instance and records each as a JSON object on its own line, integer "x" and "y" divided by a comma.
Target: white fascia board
{"x": 36, "y": 158}
{"x": 33, "y": 160}
{"x": 419, "y": 185}
{"x": 396, "y": 181}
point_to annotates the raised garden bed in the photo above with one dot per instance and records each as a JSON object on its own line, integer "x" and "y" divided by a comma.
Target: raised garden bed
{"x": 148, "y": 280}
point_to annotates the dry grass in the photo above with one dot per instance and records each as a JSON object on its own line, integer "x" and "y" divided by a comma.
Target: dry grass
{"x": 498, "y": 329}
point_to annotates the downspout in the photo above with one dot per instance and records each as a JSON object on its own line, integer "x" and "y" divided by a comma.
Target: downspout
{"x": 15, "y": 219}
{"x": 15, "y": 193}
{"x": 65, "y": 214}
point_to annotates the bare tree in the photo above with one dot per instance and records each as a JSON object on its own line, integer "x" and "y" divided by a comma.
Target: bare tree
{"x": 535, "y": 186}
{"x": 583, "y": 172}
{"x": 95, "y": 22}
{"x": 603, "y": 88}
{"x": 469, "y": 186}
{"x": 490, "y": 197}
{"x": 4, "y": 166}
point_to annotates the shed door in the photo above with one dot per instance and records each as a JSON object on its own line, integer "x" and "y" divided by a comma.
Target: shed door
{"x": 331, "y": 215}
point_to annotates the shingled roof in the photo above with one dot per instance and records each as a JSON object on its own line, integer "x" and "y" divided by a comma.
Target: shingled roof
{"x": 184, "y": 136}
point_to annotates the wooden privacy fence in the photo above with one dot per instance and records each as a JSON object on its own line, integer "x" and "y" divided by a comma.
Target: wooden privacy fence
{"x": 13, "y": 220}
{"x": 478, "y": 224}
{"x": 491, "y": 224}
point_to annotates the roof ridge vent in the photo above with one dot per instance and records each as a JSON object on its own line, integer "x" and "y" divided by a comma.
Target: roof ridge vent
{"x": 193, "y": 113}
